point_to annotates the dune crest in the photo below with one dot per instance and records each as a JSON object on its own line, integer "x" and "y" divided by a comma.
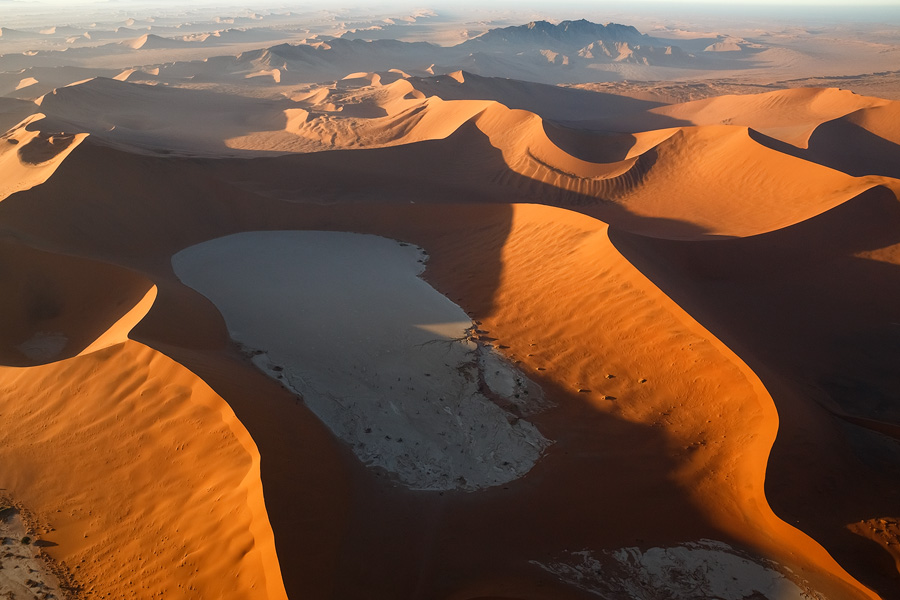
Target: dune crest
{"x": 170, "y": 526}
{"x": 787, "y": 115}
{"x": 118, "y": 331}
{"x": 58, "y": 306}
{"x": 28, "y": 156}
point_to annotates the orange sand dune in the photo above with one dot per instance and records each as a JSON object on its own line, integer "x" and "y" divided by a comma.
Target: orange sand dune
{"x": 698, "y": 182}
{"x": 149, "y": 485}
{"x": 725, "y": 182}
{"x": 533, "y": 275}
{"x": 880, "y": 120}
{"x": 656, "y": 355}
{"x": 832, "y": 384}
{"x": 28, "y": 156}
{"x": 55, "y": 307}
{"x": 787, "y": 115}
{"x": 717, "y": 180}
{"x": 877, "y": 150}
{"x": 671, "y": 356}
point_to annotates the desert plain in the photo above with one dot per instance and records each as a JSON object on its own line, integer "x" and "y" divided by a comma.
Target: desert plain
{"x": 494, "y": 301}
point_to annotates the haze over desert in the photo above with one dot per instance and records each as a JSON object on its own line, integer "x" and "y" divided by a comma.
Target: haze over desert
{"x": 531, "y": 301}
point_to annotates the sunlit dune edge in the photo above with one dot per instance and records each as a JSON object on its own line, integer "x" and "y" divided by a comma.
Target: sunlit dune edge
{"x": 167, "y": 497}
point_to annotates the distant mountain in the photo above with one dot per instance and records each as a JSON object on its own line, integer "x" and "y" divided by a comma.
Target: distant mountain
{"x": 567, "y": 35}
{"x": 635, "y": 54}
{"x": 568, "y": 52}
{"x": 569, "y": 45}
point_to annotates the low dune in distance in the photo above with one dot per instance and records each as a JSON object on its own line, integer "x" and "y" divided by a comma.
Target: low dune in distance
{"x": 412, "y": 334}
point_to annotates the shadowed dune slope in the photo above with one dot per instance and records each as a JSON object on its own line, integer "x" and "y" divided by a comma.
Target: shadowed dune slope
{"x": 883, "y": 121}
{"x": 832, "y": 468}
{"x": 54, "y": 307}
{"x": 158, "y": 118}
{"x": 14, "y": 111}
{"x": 875, "y": 147}
{"x": 30, "y": 152}
{"x": 787, "y": 115}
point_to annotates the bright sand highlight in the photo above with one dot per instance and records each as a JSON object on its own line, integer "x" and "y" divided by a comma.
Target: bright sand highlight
{"x": 383, "y": 359}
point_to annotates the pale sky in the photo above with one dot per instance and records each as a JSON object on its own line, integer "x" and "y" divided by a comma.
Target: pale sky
{"x": 885, "y": 12}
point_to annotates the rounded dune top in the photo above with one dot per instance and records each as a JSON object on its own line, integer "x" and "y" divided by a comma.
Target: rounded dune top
{"x": 788, "y": 115}
{"x": 718, "y": 181}
{"x": 29, "y": 156}
{"x": 883, "y": 120}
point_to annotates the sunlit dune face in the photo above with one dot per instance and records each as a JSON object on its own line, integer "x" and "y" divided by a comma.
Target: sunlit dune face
{"x": 453, "y": 302}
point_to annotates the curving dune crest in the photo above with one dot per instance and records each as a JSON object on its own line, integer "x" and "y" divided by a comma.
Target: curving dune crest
{"x": 28, "y": 155}
{"x": 56, "y": 307}
{"x": 668, "y": 283}
{"x": 787, "y": 115}
{"x": 166, "y": 497}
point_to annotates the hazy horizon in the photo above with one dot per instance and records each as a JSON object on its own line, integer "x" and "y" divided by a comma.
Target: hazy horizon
{"x": 37, "y": 13}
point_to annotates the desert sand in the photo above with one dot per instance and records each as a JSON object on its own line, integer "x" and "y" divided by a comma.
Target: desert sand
{"x": 295, "y": 305}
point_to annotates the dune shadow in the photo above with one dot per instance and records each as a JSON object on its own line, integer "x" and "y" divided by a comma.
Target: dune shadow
{"x": 97, "y": 107}
{"x": 590, "y": 146}
{"x": 54, "y": 306}
{"x": 812, "y": 310}
{"x": 44, "y": 147}
{"x": 868, "y": 154}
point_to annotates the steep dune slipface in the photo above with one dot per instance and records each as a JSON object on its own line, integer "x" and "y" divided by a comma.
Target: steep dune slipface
{"x": 865, "y": 142}
{"x": 54, "y": 307}
{"x": 786, "y": 115}
{"x": 812, "y": 309}
{"x": 28, "y": 156}
{"x": 140, "y": 476}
